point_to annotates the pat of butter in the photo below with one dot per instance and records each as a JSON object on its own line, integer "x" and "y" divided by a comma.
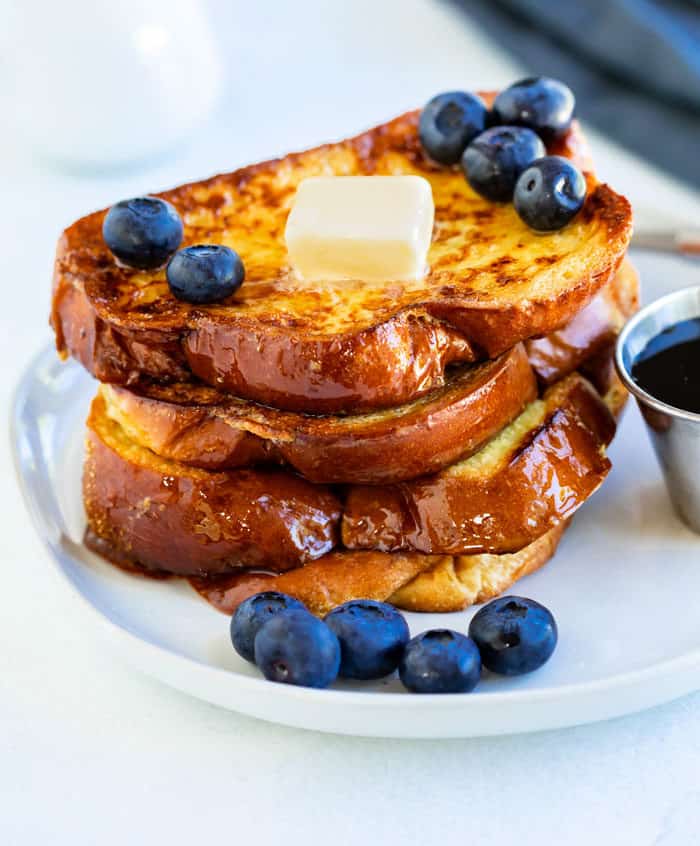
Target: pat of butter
{"x": 361, "y": 227}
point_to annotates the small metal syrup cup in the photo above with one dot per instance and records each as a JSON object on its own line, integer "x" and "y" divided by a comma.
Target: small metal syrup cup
{"x": 675, "y": 433}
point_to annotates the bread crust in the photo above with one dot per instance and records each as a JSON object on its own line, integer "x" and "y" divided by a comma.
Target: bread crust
{"x": 456, "y": 582}
{"x": 166, "y": 516}
{"x": 331, "y": 348}
{"x": 592, "y": 332}
{"x": 157, "y": 515}
{"x": 547, "y": 465}
{"x": 414, "y": 582}
{"x": 198, "y": 425}
{"x": 408, "y": 580}
{"x": 424, "y": 436}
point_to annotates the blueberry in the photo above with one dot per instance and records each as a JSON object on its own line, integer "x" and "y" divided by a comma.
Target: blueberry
{"x": 372, "y": 637}
{"x": 514, "y": 635}
{"x": 448, "y": 123}
{"x": 205, "y": 273}
{"x": 294, "y": 647}
{"x": 143, "y": 232}
{"x": 495, "y": 159}
{"x": 549, "y": 193}
{"x": 252, "y": 613}
{"x": 440, "y": 661}
{"x": 541, "y": 103}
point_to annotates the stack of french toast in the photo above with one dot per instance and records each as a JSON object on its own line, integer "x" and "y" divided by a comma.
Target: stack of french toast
{"x": 422, "y": 442}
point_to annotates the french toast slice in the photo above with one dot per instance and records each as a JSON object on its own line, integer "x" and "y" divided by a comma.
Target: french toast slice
{"x": 336, "y": 347}
{"x": 147, "y": 512}
{"x": 197, "y": 425}
{"x": 528, "y": 479}
{"x": 591, "y": 333}
{"x": 408, "y": 580}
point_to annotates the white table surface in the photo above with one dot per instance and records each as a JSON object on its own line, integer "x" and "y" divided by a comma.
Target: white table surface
{"x": 91, "y": 752}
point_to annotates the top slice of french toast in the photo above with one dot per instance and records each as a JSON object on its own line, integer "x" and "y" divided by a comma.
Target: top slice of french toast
{"x": 334, "y": 347}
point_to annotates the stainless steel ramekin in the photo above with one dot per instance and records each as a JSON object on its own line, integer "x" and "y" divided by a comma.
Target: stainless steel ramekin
{"x": 675, "y": 433}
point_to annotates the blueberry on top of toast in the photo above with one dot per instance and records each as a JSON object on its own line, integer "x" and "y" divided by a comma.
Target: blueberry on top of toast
{"x": 205, "y": 273}
{"x": 549, "y": 193}
{"x": 449, "y": 122}
{"x": 495, "y": 159}
{"x": 143, "y": 232}
{"x": 541, "y": 103}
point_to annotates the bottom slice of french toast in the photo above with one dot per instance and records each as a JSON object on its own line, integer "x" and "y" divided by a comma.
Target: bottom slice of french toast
{"x": 408, "y": 580}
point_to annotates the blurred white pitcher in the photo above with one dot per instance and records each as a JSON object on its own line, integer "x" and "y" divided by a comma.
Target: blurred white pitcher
{"x": 100, "y": 83}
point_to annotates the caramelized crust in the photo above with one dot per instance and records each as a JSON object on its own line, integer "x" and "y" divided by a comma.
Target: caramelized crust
{"x": 410, "y": 580}
{"x": 528, "y": 479}
{"x": 456, "y": 582}
{"x": 201, "y": 427}
{"x": 344, "y": 346}
{"x": 592, "y": 332}
{"x": 323, "y": 584}
{"x": 166, "y": 516}
{"x": 198, "y": 425}
{"x": 414, "y": 582}
{"x": 162, "y": 516}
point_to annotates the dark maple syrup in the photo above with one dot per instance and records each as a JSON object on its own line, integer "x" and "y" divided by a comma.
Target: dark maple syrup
{"x": 668, "y": 367}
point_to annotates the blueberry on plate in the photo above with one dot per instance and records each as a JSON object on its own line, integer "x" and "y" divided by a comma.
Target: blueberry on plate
{"x": 514, "y": 635}
{"x": 448, "y": 123}
{"x": 440, "y": 661}
{"x": 205, "y": 273}
{"x": 143, "y": 232}
{"x": 540, "y": 103}
{"x": 549, "y": 193}
{"x": 495, "y": 159}
{"x": 294, "y": 647}
{"x": 372, "y": 637}
{"x": 252, "y": 613}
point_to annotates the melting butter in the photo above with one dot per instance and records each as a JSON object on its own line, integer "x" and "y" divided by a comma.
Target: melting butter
{"x": 361, "y": 227}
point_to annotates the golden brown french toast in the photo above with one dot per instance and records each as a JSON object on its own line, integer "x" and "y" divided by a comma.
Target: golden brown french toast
{"x": 200, "y": 426}
{"x": 334, "y": 347}
{"x": 591, "y": 333}
{"x": 167, "y": 516}
{"x": 409, "y": 580}
{"x": 197, "y": 425}
{"x": 528, "y": 479}
{"x": 155, "y": 514}
{"x": 458, "y": 581}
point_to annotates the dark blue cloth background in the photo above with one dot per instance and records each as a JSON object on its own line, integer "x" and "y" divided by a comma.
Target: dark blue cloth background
{"x": 634, "y": 66}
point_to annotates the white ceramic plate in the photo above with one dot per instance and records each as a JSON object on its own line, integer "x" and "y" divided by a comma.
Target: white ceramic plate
{"x": 624, "y": 588}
